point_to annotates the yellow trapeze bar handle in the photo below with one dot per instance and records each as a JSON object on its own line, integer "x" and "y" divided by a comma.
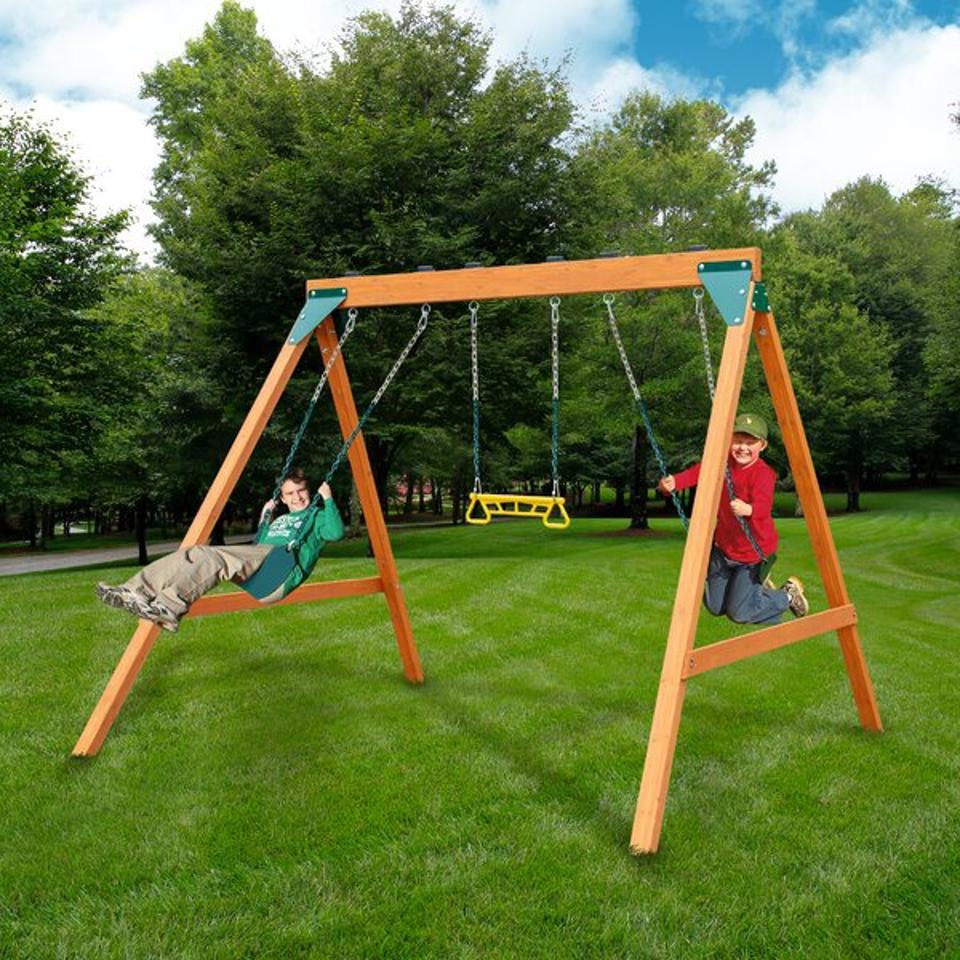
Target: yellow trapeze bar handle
{"x": 484, "y": 518}
{"x": 518, "y": 505}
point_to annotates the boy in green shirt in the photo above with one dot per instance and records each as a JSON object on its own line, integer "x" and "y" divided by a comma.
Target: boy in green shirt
{"x": 163, "y": 590}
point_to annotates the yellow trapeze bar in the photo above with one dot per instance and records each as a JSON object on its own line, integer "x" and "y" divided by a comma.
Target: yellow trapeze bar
{"x": 518, "y": 505}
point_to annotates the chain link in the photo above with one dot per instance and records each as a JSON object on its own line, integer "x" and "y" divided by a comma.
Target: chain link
{"x": 398, "y": 363}
{"x": 608, "y": 299}
{"x": 704, "y": 339}
{"x": 474, "y": 308}
{"x": 555, "y": 368}
{"x": 305, "y": 422}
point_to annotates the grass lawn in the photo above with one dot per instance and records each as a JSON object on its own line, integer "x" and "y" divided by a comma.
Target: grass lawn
{"x": 273, "y": 788}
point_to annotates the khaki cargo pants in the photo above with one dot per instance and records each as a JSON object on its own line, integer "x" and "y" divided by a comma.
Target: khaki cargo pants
{"x": 179, "y": 578}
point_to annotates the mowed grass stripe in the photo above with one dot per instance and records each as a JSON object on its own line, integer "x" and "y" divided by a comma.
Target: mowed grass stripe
{"x": 273, "y": 788}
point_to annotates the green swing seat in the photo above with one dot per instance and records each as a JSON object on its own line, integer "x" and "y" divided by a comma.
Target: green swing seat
{"x": 271, "y": 574}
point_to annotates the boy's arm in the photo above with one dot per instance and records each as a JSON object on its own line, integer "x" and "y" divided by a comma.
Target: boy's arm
{"x": 329, "y": 523}
{"x": 687, "y": 478}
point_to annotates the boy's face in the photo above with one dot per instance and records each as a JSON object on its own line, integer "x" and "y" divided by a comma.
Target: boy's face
{"x": 295, "y": 495}
{"x": 746, "y": 449}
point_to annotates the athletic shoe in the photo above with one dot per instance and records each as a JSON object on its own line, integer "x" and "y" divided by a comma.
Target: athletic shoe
{"x": 799, "y": 605}
{"x": 163, "y": 616}
{"x": 123, "y": 598}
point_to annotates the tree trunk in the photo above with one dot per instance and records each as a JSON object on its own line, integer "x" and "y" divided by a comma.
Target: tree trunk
{"x": 141, "y": 524}
{"x": 853, "y": 491}
{"x": 638, "y": 484}
{"x": 436, "y": 497}
{"x": 354, "y": 511}
{"x": 621, "y": 497}
{"x": 408, "y": 496}
{"x": 421, "y": 506}
{"x": 32, "y": 520}
{"x": 455, "y": 502}
{"x": 216, "y": 537}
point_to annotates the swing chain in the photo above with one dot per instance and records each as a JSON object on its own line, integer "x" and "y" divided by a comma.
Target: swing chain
{"x": 704, "y": 339}
{"x": 555, "y": 364}
{"x": 474, "y": 308}
{"x": 305, "y": 422}
{"x": 608, "y": 299}
{"x": 398, "y": 363}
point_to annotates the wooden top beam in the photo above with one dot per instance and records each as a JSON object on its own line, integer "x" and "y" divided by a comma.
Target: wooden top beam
{"x": 563, "y": 278}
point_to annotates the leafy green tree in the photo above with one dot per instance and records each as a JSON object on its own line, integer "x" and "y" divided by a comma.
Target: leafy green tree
{"x": 154, "y": 445}
{"x": 407, "y": 149}
{"x": 56, "y": 260}
{"x": 841, "y": 364}
{"x": 899, "y": 252}
{"x": 668, "y": 175}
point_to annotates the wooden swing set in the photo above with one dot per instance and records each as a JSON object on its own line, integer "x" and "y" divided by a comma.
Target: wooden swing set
{"x": 733, "y": 280}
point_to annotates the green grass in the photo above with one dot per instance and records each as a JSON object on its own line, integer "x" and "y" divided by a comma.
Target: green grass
{"x": 273, "y": 788}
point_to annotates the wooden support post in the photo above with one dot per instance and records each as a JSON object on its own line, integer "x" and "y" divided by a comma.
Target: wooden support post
{"x": 808, "y": 490}
{"x": 106, "y": 710}
{"x": 370, "y": 503}
{"x": 665, "y": 725}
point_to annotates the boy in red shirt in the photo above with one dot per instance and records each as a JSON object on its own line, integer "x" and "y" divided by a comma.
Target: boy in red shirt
{"x": 734, "y": 584}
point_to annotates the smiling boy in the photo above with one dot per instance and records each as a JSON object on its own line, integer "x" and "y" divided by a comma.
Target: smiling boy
{"x": 734, "y": 583}
{"x": 163, "y": 590}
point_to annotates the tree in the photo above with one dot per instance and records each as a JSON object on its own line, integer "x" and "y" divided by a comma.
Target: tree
{"x": 667, "y": 175}
{"x": 152, "y": 422}
{"x": 56, "y": 260}
{"x": 841, "y": 363}
{"x": 407, "y": 149}
{"x": 899, "y": 252}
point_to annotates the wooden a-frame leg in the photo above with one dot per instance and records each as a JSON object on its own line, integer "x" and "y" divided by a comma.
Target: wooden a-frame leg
{"x": 369, "y": 501}
{"x": 811, "y": 501}
{"x": 665, "y": 725}
{"x": 126, "y": 671}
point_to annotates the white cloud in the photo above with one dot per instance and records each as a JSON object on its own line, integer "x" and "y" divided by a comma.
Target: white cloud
{"x": 114, "y": 146}
{"x": 883, "y": 112}
{"x": 871, "y": 17}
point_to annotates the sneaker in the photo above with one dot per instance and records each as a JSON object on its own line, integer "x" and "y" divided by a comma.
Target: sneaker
{"x": 799, "y": 605}
{"x": 163, "y": 616}
{"x": 123, "y": 598}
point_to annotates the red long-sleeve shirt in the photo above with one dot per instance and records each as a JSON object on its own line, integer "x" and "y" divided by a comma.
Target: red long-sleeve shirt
{"x": 754, "y": 485}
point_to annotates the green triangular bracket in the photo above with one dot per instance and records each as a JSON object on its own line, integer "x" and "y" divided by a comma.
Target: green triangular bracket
{"x": 727, "y": 282}
{"x": 761, "y": 303}
{"x": 320, "y": 304}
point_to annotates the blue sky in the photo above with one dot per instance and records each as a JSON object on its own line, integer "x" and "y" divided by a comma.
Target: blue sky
{"x": 837, "y": 88}
{"x": 747, "y": 44}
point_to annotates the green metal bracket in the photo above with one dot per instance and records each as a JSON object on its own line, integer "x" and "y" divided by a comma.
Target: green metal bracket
{"x": 320, "y": 304}
{"x": 761, "y": 303}
{"x": 727, "y": 282}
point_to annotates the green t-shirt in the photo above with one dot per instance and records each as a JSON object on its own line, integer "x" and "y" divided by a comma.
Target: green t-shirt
{"x": 323, "y": 525}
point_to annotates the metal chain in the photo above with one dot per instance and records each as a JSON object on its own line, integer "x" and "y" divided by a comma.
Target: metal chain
{"x": 474, "y": 308}
{"x": 311, "y": 408}
{"x": 555, "y": 364}
{"x": 711, "y": 386}
{"x": 702, "y": 321}
{"x": 608, "y": 299}
{"x": 398, "y": 363}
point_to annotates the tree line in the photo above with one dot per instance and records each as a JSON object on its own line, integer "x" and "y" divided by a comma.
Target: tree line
{"x": 121, "y": 387}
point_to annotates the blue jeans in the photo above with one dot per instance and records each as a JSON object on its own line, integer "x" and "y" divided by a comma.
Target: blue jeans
{"x": 734, "y": 589}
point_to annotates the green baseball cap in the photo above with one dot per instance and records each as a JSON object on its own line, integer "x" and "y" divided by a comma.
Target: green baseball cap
{"x": 752, "y": 424}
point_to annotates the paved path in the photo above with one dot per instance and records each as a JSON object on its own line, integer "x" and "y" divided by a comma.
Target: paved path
{"x": 67, "y": 559}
